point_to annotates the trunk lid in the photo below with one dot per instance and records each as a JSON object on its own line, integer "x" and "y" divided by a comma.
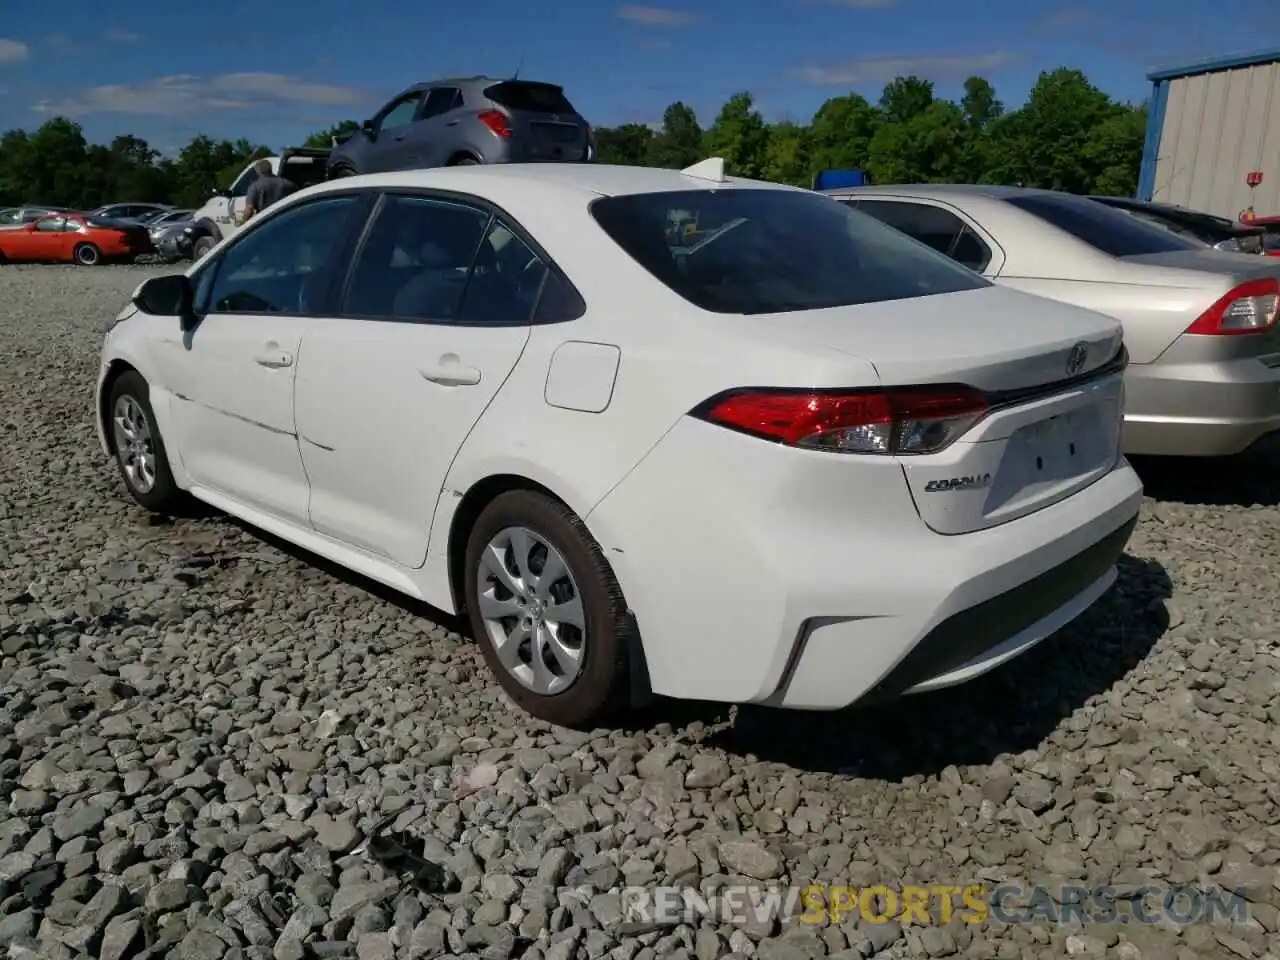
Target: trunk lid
{"x": 1234, "y": 268}
{"x": 1048, "y": 369}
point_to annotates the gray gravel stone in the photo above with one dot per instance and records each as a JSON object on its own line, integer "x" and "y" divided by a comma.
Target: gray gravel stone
{"x": 198, "y": 729}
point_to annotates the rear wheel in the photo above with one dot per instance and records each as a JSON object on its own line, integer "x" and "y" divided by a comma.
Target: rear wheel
{"x": 464, "y": 162}
{"x": 87, "y": 255}
{"x": 547, "y": 611}
{"x": 139, "y": 449}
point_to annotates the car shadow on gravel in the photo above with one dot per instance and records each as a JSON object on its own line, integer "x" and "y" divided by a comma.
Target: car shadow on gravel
{"x": 415, "y": 608}
{"x": 1012, "y": 709}
{"x": 1247, "y": 479}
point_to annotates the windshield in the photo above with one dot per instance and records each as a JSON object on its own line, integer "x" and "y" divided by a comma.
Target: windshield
{"x": 1104, "y": 228}
{"x": 748, "y": 251}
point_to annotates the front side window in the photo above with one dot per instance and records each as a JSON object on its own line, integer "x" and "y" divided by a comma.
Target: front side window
{"x": 245, "y": 181}
{"x": 416, "y": 259}
{"x": 749, "y": 251}
{"x": 934, "y": 227}
{"x": 402, "y": 113}
{"x": 1101, "y": 227}
{"x": 52, "y": 224}
{"x": 273, "y": 268}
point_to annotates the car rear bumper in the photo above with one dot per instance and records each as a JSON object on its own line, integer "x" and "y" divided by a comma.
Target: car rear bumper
{"x": 812, "y": 588}
{"x": 1201, "y": 408}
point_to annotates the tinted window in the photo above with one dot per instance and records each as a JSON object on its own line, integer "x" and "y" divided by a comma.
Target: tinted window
{"x": 241, "y": 186}
{"x": 530, "y": 97}
{"x": 442, "y": 100}
{"x": 772, "y": 251}
{"x": 1102, "y": 227}
{"x": 932, "y": 226}
{"x": 284, "y": 265}
{"x": 51, "y": 224}
{"x": 505, "y": 280}
{"x": 416, "y": 259}
{"x": 558, "y": 301}
{"x": 402, "y": 113}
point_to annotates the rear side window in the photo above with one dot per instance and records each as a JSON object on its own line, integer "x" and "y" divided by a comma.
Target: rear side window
{"x": 748, "y": 251}
{"x": 529, "y": 97}
{"x": 934, "y": 227}
{"x": 1101, "y": 227}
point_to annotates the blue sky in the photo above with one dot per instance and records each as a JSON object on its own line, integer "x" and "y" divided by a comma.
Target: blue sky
{"x": 276, "y": 70}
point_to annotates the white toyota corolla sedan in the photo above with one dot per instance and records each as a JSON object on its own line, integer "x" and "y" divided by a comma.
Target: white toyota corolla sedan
{"x": 655, "y": 431}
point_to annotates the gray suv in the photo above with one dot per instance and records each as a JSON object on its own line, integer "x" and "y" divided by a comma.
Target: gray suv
{"x": 472, "y": 120}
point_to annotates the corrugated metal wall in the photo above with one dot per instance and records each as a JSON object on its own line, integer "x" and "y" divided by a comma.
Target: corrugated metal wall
{"x": 1217, "y": 127}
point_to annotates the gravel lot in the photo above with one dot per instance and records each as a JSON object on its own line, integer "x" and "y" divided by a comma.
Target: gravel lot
{"x": 198, "y": 726}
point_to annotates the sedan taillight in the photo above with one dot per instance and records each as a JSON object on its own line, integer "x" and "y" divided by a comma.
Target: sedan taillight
{"x": 896, "y": 421}
{"x": 1249, "y": 308}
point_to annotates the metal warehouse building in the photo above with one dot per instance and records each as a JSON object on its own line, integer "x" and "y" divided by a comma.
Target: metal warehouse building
{"x": 1211, "y": 125}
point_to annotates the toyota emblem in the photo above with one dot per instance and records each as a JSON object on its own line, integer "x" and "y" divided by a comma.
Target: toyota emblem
{"x": 1076, "y": 358}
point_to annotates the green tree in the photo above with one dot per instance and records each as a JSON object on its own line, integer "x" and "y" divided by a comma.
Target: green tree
{"x": 787, "y": 155}
{"x": 628, "y": 144}
{"x": 928, "y": 148}
{"x": 679, "y": 143}
{"x": 905, "y": 98}
{"x": 740, "y": 136}
{"x": 841, "y": 132}
{"x": 979, "y": 103}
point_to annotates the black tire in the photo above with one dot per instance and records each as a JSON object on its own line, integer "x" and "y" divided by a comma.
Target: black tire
{"x": 202, "y": 246}
{"x": 465, "y": 162}
{"x": 600, "y": 689}
{"x": 341, "y": 171}
{"x": 87, "y": 255}
{"x": 163, "y": 496}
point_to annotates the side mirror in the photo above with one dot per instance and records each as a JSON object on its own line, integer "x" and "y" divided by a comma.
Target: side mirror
{"x": 167, "y": 296}
{"x": 369, "y": 130}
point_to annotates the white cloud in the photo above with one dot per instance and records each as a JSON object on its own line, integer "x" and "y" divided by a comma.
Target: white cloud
{"x": 186, "y": 93}
{"x": 881, "y": 69}
{"x": 116, "y": 35}
{"x": 12, "y": 51}
{"x": 654, "y": 16}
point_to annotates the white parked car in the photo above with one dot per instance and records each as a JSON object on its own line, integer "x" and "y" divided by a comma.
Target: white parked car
{"x": 780, "y": 454}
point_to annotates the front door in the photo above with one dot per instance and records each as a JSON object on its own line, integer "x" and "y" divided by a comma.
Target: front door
{"x": 388, "y": 391}
{"x": 232, "y": 375}
{"x": 394, "y": 147}
{"x": 48, "y": 239}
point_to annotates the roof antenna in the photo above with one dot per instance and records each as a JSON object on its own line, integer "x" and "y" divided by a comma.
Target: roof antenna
{"x": 519, "y": 64}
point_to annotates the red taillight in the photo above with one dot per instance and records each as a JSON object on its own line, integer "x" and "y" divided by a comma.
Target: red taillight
{"x": 1249, "y": 308}
{"x": 496, "y": 121}
{"x": 895, "y": 421}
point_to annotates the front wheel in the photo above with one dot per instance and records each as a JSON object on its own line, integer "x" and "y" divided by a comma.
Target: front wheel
{"x": 139, "y": 449}
{"x": 202, "y": 246}
{"x": 547, "y": 611}
{"x": 87, "y": 255}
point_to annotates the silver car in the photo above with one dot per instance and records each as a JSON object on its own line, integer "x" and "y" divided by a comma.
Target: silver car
{"x": 1200, "y": 324}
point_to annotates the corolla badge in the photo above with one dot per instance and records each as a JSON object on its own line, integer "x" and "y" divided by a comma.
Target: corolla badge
{"x": 1076, "y": 358}
{"x": 975, "y": 482}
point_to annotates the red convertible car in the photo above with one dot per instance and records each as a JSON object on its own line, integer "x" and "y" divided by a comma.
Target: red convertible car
{"x": 73, "y": 238}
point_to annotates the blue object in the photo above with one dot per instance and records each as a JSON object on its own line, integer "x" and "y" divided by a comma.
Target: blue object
{"x": 830, "y": 179}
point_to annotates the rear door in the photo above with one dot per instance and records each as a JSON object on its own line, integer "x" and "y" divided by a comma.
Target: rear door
{"x": 435, "y": 313}
{"x": 936, "y": 225}
{"x": 543, "y": 121}
{"x": 432, "y": 133}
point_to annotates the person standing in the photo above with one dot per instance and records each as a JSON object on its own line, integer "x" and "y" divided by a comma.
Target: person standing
{"x": 266, "y": 190}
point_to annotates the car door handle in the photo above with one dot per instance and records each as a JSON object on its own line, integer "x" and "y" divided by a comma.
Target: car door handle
{"x": 273, "y": 359}
{"x": 452, "y": 123}
{"x": 451, "y": 373}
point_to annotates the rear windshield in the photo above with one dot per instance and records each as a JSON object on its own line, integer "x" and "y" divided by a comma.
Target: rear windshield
{"x": 1104, "y": 228}
{"x": 529, "y": 96}
{"x": 748, "y": 251}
